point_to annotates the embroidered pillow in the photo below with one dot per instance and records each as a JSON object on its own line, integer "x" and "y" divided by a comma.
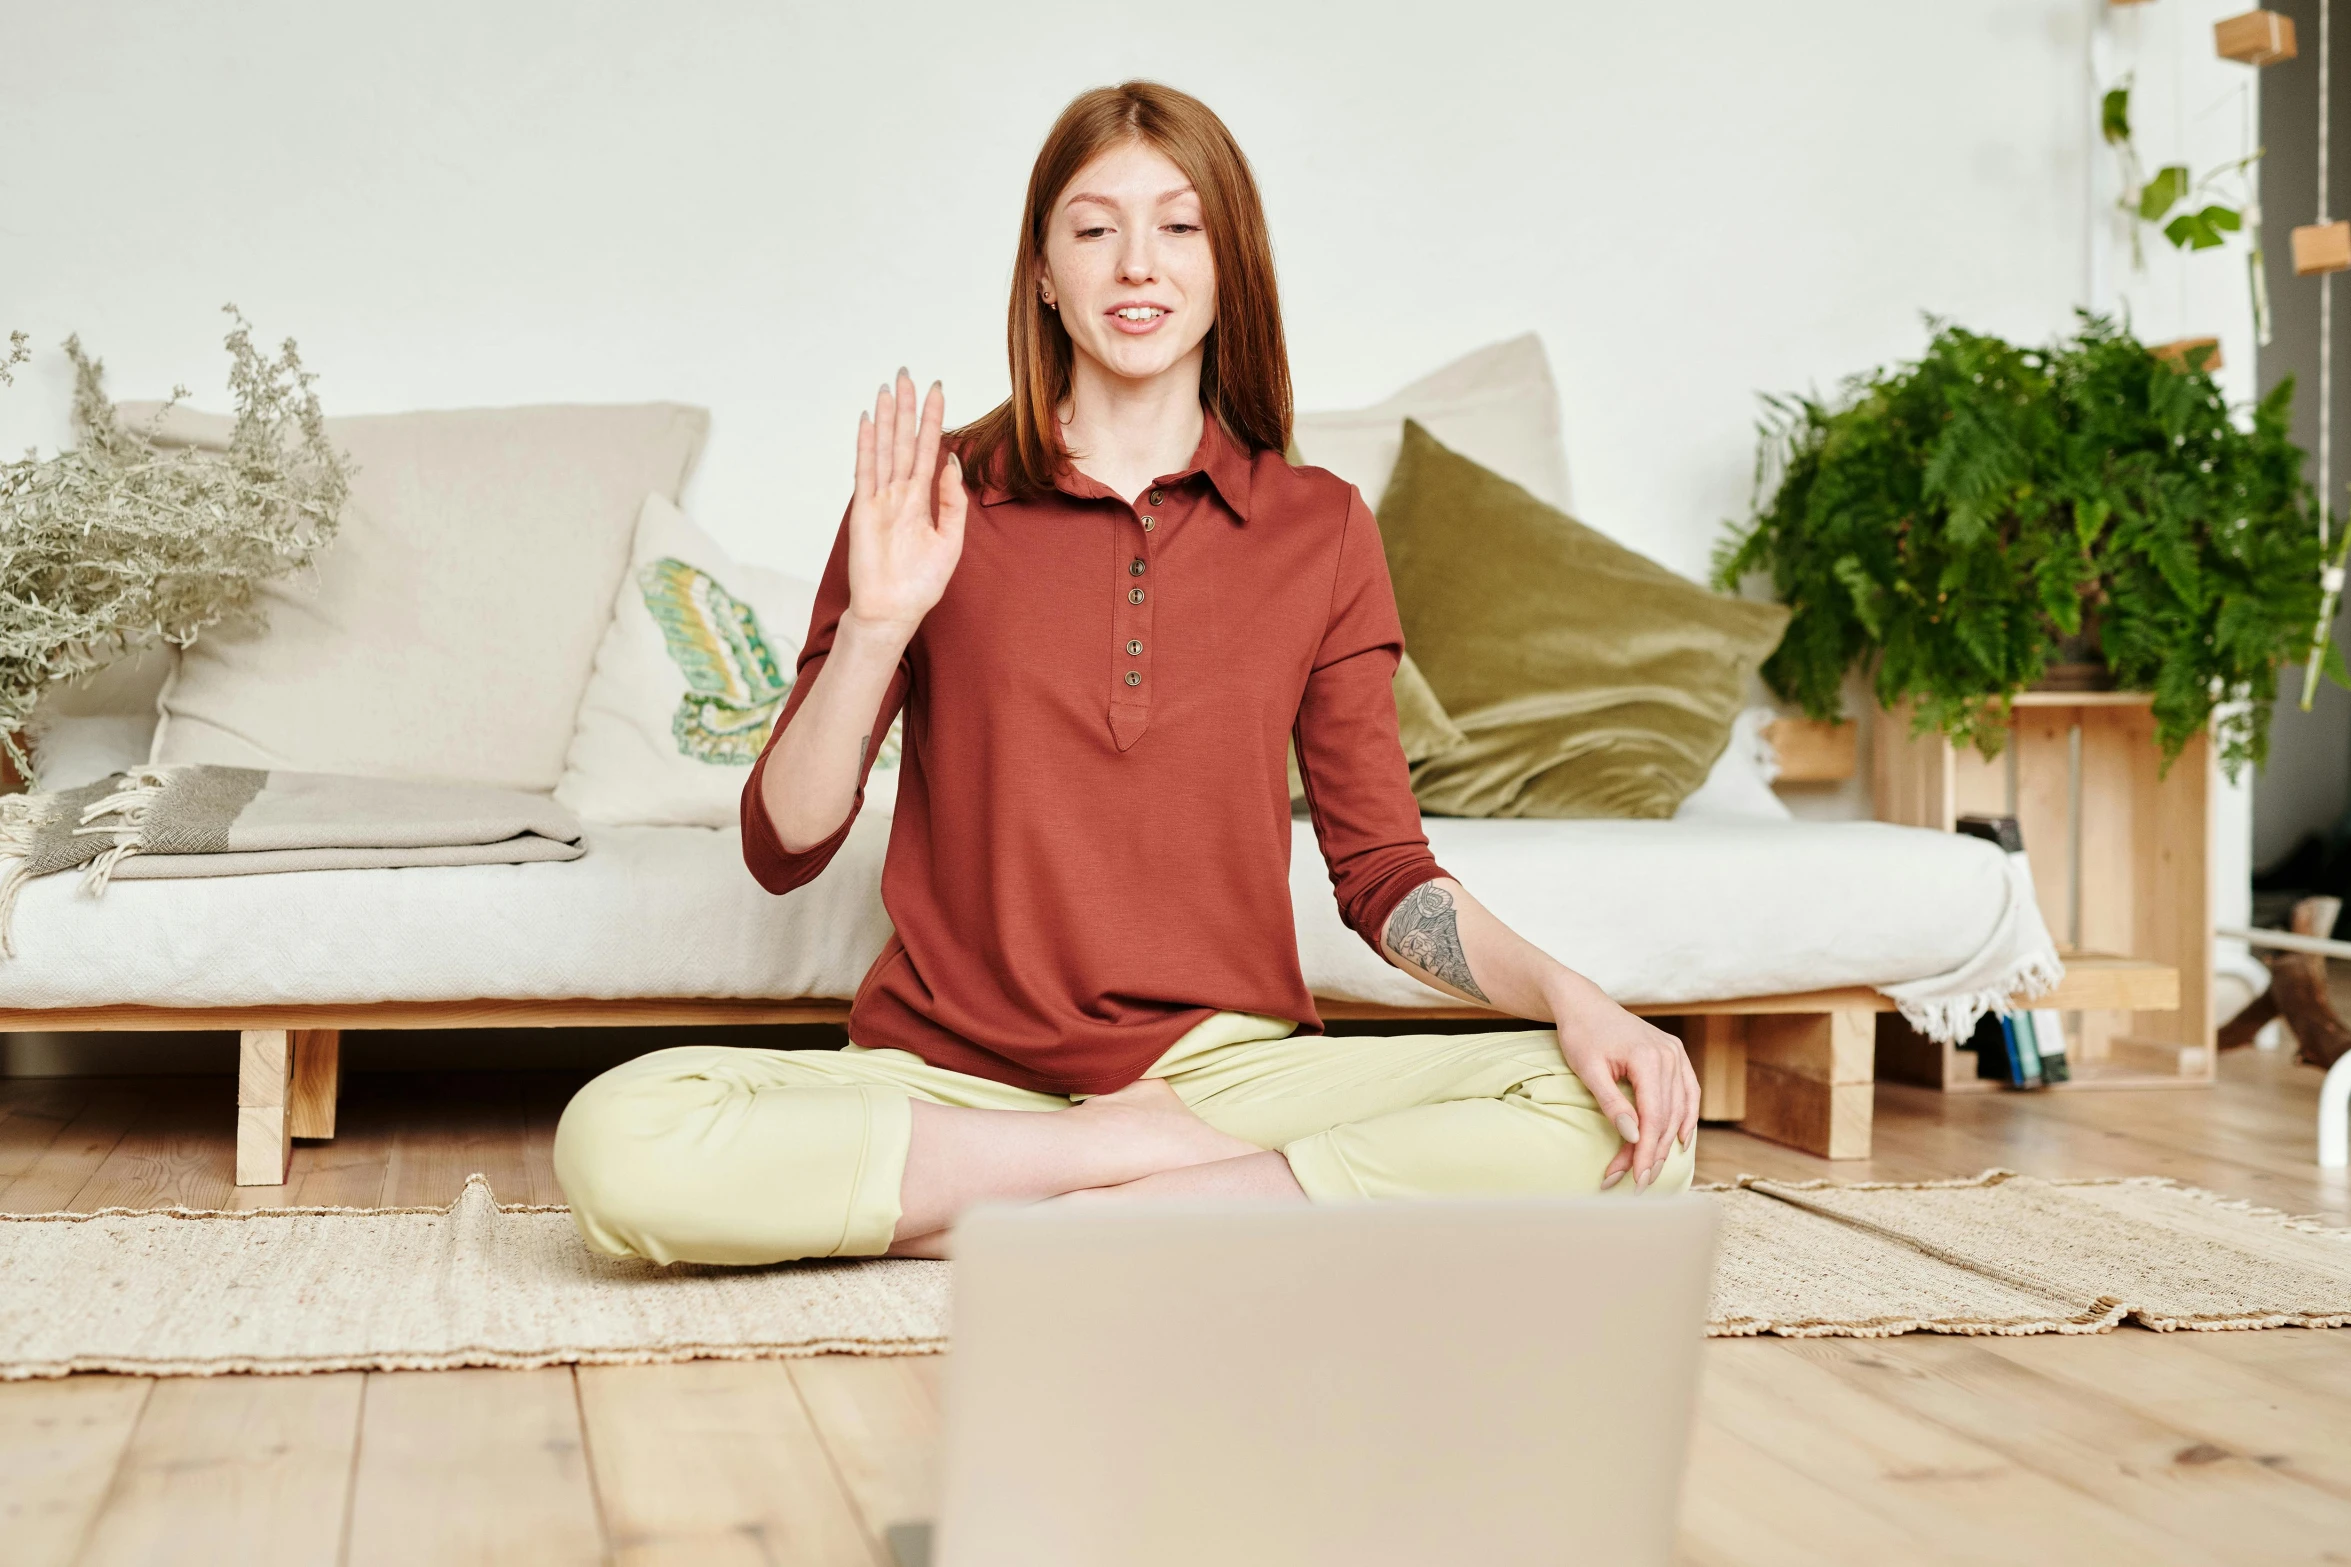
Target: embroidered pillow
{"x": 689, "y": 678}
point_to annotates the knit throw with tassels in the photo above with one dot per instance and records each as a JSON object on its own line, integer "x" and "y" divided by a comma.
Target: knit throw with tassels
{"x": 195, "y": 820}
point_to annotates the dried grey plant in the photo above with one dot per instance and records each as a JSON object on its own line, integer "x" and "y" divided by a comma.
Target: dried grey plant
{"x": 122, "y": 542}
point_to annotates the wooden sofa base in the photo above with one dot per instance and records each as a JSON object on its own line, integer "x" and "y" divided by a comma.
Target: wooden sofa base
{"x": 1798, "y": 1069}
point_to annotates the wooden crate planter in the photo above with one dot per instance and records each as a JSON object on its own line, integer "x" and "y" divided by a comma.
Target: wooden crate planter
{"x": 2120, "y": 850}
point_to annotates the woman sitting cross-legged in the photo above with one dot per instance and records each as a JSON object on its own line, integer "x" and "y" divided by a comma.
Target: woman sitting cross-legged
{"x": 1105, "y": 609}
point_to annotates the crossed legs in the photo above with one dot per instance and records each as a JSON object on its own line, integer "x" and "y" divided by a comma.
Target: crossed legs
{"x": 742, "y": 1156}
{"x": 1140, "y": 1141}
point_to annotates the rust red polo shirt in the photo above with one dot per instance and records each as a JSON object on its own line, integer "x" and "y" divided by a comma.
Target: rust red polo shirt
{"x": 1092, "y": 843}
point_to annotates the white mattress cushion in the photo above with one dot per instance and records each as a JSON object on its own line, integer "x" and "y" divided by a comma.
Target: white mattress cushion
{"x": 1702, "y": 910}
{"x": 1652, "y": 911}
{"x": 647, "y": 911}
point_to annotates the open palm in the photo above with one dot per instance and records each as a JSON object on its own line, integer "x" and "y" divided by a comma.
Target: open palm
{"x": 901, "y": 551}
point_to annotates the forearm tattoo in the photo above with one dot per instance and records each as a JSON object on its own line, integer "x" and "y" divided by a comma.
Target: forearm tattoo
{"x": 1424, "y": 933}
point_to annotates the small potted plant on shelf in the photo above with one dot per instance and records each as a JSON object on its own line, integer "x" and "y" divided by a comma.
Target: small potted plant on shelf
{"x": 1994, "y": 518}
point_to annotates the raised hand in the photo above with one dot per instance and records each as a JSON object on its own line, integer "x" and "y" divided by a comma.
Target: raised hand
{"x": 905, "y": 527}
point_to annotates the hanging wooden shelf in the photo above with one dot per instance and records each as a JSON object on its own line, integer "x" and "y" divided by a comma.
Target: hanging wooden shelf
{"x": 1813, "y": 750}
{"x": 2257, "y": 37}
{"x": 2179, "y": 350}
{"x": 2322, "y": 247}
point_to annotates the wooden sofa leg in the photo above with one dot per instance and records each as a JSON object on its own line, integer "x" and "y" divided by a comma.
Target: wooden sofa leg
{"x": 318, "y": 1080}
{"x": 265, "y": 1128}
{"x": 1810, "y": 1080}
{"x": 1718, "y": 1054}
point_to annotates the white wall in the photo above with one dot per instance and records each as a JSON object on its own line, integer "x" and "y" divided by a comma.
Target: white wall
{"x": 765, "y": 208}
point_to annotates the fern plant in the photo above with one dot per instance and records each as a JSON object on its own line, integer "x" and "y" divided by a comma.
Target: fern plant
{"x": 1946, "y": 525}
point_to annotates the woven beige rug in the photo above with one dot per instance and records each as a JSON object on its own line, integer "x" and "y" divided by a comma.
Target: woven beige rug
{"x": 174, "y": 1292}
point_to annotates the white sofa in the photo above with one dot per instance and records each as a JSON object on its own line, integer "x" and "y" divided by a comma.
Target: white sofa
{"x": 1791, "y": 936}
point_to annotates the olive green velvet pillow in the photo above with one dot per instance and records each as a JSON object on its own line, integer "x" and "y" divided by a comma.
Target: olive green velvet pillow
{"x": 1420, "y": 723}
{"x": 1589, "y": 681}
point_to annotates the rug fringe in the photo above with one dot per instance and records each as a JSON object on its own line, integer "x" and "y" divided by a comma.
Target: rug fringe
{"x": 121, "y": 816}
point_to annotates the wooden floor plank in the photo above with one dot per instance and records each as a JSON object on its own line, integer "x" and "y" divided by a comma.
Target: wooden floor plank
{"x": 172, "y": 1156}
{"x": 32, "y": 1123}
{"x": 60, "y": 1443}
{"x": 1747, "y": 1506}
{"x": 1973, "y": 1501}
{"x": 879, "y": 1417}
{"x": 2230, "y": 1503}
{"x": 544, "y": 1096}
{"x": 454, "y": 1125}
{"x": 715, "y": 1461}
{"x": 2282, "y": 1423}
{"x": 64, "y": 1164}
{"x": 472, "y": 1469}
{"x": 251, "y": 1470}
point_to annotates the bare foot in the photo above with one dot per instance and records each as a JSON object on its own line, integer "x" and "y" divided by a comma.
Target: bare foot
{"x": 1148, "y": 1117}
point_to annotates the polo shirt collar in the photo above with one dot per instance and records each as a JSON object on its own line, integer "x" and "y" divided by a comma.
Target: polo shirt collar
{"x": 1218, "y": 456}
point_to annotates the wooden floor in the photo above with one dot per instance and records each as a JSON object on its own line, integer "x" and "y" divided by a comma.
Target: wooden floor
{"x": 2126, "y": 1447}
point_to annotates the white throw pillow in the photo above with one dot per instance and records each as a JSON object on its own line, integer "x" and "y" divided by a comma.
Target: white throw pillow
{"x": 449, "y": 630}
{"x": 1738, "y": 788}
{"x": 1498, "y": 407}
{"x": 692, "y": 671}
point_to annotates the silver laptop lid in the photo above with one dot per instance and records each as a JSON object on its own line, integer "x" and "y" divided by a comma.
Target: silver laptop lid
{"x": 1492, "y": 1381}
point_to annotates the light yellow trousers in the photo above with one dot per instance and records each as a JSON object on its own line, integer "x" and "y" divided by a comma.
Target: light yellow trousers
{"x": 711, "y": 1154}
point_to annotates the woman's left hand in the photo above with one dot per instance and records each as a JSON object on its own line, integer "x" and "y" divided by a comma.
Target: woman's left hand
{"x": 1609, "y": 1048}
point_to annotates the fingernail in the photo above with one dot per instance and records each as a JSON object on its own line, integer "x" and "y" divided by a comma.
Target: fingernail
{"x": 1628, "y": 1128}
{"x": 902, "y": 375}
{"x": 1613, "y": 1178}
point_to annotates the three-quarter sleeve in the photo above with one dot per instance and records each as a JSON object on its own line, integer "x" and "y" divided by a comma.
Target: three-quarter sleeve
{"x": 1357, "y": 787}
{"x": 772, "y": 865}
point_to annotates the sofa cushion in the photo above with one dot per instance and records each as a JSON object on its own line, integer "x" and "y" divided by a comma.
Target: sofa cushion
{"x": 693, "y": 668}
{"x": 1497, "y": 407}
{"x": 1589, "y": 680}
{"x": 449, "y": 630}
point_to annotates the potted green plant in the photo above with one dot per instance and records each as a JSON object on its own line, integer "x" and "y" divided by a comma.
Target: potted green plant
{"x": 1955, "y": 526}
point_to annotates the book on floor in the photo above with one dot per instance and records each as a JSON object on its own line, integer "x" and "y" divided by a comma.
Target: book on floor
{"x": 2024, "y": 1057}
{"x": 2049, "y": 1035}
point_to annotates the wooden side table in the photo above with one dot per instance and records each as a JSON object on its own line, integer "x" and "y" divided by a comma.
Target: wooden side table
{"x": 2121, "y": 856}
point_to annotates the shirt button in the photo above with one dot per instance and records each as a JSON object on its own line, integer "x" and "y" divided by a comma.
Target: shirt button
{"x": 1134, "y": 595}
{"x": 1133, "y": 648}
{"x": 1134, "y": 679}
{"x": 1135, "y": 567}
{"x": 1154, "y": 501}
{"x": 1150, "y": 522}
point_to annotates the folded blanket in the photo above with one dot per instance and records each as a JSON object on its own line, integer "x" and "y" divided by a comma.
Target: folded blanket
{"x": 238, "y": 821}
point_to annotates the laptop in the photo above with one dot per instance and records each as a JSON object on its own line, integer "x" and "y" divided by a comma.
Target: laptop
{"x": 1497, "y": 1382}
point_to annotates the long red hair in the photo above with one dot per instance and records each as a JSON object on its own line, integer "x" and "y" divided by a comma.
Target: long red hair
{"x": 1245, "y": 376}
